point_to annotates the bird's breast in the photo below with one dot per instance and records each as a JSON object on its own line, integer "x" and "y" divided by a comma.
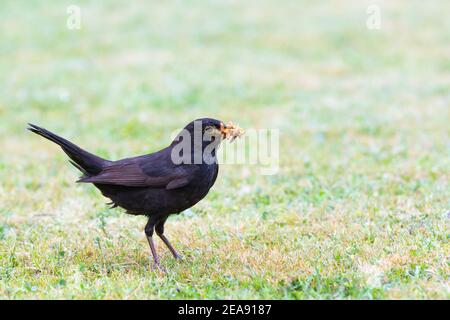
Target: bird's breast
{"x": 204, "y": 178}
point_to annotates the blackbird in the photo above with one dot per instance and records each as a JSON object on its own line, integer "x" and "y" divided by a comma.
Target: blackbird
{"x": 158, "y": 184}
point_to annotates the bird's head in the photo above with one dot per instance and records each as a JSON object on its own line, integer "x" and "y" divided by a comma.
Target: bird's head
{"x": 204, "y": 136}
{"x": 211, "y": 129}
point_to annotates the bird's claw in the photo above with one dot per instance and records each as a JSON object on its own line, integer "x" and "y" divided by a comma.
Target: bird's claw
{"x": 178, "y": 257}
{"x": 156, "y": 266}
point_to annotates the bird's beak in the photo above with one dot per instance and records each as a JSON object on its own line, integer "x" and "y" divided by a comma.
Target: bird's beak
{"x": 231, "y": 131}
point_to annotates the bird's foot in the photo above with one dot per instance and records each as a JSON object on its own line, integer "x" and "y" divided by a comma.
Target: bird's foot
{"x": 156, "y": 266}
{"x": 178, "y": 257}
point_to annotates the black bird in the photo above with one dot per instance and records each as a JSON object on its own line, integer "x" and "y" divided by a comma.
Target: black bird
{"x": 158, "y": 184}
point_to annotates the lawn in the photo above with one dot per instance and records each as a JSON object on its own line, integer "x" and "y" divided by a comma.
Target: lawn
{"x": 360, "y": 206}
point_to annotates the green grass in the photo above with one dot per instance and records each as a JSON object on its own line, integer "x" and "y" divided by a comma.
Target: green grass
{"x": 359, "y": 208}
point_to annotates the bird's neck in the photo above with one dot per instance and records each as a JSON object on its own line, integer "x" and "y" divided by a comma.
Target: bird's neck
{"x": 194, "y": 152}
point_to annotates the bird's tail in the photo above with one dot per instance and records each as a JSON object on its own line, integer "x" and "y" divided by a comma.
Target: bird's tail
{"x": 84, "y": 161}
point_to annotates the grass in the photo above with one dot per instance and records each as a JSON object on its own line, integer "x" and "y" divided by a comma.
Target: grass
{"x": 358, "y": 210}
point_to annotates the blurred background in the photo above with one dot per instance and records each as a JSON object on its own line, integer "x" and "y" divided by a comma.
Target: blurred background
{"x": 362, "y": 196}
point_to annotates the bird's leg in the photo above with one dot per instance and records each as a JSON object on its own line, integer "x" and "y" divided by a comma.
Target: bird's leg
{"x": 160, "y": 232}
{"x": 149, "y": 233}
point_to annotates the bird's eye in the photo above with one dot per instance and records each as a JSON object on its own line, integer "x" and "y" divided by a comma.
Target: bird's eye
{"x": 209, "y": 129}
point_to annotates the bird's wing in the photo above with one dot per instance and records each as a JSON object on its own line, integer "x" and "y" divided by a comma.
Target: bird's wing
{"x": 136, "y": 174}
